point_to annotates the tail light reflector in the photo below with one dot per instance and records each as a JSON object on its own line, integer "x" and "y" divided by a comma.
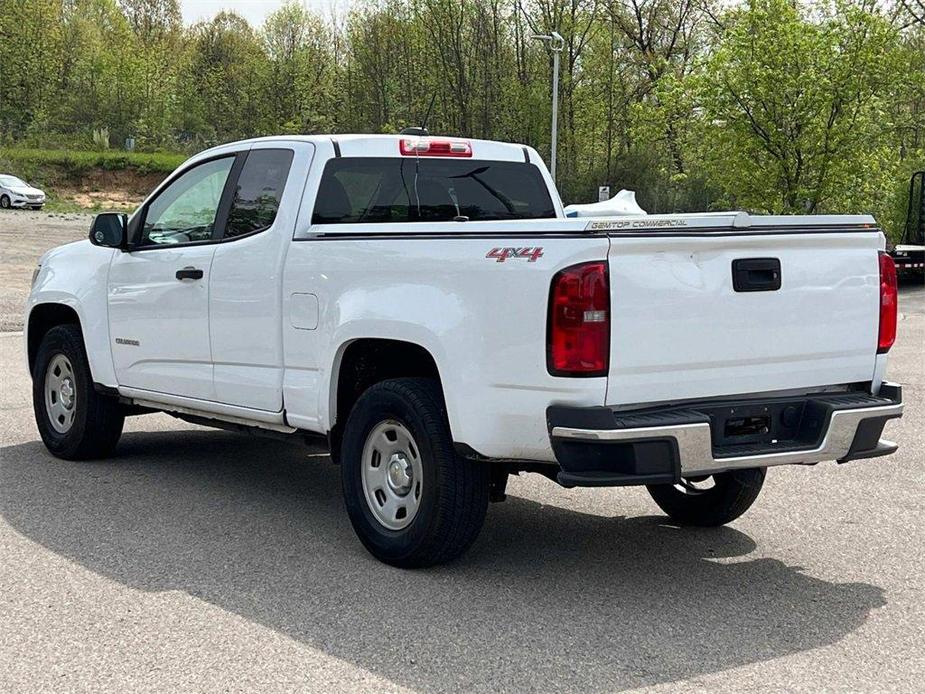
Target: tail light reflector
{"x": 426, "y": 147}
{"x": 889, "y": 303}
{"x": 578, "y": 333}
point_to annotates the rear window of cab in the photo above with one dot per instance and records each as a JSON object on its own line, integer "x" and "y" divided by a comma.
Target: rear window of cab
{"x": 356, "y": 190}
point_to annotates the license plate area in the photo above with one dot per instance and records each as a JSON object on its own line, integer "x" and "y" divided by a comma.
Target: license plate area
{"x": 738, "y": 427}
{"x": 782, "y": 424}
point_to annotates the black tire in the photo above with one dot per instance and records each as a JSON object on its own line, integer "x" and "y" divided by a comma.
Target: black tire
{"x": 454, "y": 495}
{"x": 5, "y": 202}
{"x": 730, "y": 496}
{"x": 97, "y": 419}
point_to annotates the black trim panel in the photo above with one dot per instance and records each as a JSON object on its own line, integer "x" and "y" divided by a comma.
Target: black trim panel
{"x": 603, "y": 479}
{"x": 617, "y": 463}
{"x": 227, "y": 198}
{"x": 881, "y": 449}
{"x": 866, "y": 443}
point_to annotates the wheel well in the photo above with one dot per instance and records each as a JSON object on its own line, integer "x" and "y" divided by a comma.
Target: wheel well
{"x": 43, "y": 318}
{"x": 368, "y": 361}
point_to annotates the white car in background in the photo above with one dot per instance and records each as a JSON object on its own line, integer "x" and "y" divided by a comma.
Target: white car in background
{"x": 15, "y": 192}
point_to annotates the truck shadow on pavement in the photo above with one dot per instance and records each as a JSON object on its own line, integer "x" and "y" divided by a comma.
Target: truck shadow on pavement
{"x": 547, "y": 598}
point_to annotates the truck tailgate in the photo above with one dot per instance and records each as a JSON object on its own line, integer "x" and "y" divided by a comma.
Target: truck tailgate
{"x": 681, "y": 330}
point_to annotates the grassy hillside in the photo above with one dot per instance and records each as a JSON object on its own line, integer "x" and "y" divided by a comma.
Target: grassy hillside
{"x": 76, "y": 162}
{"x": 76, "y": 179}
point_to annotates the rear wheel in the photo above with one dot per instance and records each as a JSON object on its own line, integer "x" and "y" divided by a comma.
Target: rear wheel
{"x": 74, "y": 421}
{"x": 709, "y": 500}
{"x": 412, "y": 500}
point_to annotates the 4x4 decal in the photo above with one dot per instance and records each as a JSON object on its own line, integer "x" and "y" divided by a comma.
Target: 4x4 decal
{"x": 502, "y": 254}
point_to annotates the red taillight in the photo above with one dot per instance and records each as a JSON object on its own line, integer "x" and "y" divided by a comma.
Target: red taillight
{"x": 425, "y": 147}
{"x": 889, "y": 301}
{"x": 579, "y": 321}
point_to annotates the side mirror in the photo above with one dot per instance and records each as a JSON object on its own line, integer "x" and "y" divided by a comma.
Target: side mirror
{"x": 109, "y": 230}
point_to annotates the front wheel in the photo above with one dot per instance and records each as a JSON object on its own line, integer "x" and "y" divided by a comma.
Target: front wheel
{"x": 75, "y": 422}
{"x": 710, "y": 500}
{"x": 412, "y": 500}
{"x": 5, "y": 202}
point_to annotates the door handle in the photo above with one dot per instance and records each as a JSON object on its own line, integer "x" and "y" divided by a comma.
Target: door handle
{"x": 756, "y": 274}
{"x": 189, "y": 273}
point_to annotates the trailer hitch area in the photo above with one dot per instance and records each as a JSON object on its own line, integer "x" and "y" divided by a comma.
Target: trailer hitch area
{"x": 746, "y": 426}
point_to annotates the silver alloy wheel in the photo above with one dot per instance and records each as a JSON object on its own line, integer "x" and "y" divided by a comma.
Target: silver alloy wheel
{"x": 60, "y": 393}
{"x": 393, "y": 477}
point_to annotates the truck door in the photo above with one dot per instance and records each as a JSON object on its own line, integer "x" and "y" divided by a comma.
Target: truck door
{"x": 158, "y": 293}
{"x": 245, "y": 285}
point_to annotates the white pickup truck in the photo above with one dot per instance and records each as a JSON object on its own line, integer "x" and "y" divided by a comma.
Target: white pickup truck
{"x": 422, "y": 307}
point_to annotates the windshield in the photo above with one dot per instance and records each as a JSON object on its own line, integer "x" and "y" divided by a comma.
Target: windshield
{"x": 392, "y": 189}
{"x": 12, "y": 182}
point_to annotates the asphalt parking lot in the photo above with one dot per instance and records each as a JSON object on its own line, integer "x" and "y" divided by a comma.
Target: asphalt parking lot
{"x": 199, "y": 560}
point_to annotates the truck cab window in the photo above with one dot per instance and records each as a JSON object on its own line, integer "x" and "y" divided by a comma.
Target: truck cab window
{"x": 184, "y": 211}
{"x": 258, "y": 191}
{"x": 391, "y": 189}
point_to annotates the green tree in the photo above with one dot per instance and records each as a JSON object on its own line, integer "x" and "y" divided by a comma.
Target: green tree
{"x": 97, "y": 75}
{"x": 30, "y": 51}
{"x": 221, "y": 81}
{"x": 795, "y": 113}
{"x": 384, "y": 79}
{"x": 158, "y": 56}
{"x": 300, "y": 87}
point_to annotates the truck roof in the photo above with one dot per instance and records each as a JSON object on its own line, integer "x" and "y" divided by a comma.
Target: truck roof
{"x": 365, "y": 145}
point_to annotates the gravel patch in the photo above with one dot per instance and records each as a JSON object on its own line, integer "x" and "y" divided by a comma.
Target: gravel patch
{"x": 24, "y": 237}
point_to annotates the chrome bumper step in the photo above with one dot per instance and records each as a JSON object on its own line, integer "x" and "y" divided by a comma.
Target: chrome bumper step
{"x": 684, "y": 441}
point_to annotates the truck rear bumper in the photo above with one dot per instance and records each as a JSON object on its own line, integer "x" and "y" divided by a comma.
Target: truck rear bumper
{"x": 601, "y": 447}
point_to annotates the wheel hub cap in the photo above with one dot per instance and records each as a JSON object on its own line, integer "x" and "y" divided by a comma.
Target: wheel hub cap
{"x": 67, "y": 393}
{"x": 400, "y": 473}
{"x": 60, "y": 393}
{"x": 392, "y": 475}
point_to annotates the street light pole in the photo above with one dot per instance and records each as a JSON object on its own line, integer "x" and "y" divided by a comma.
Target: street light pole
{"x": 555, "y": 43}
